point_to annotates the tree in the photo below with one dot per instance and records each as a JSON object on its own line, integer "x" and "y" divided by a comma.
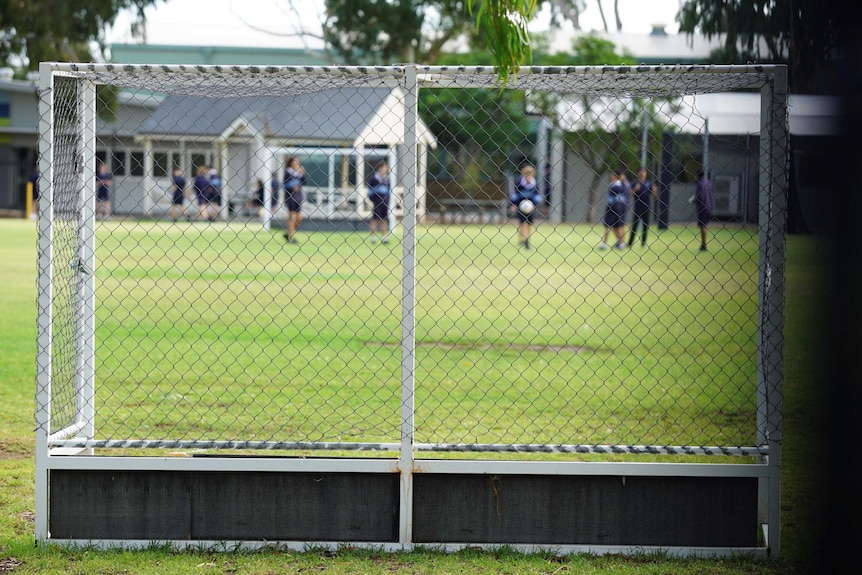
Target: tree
{"x": 801, "y": 33}
{"x": 601, "y": 146}
{"x": 478, "y": 129}
{"x": 373, "y": 32}
{"x": 504, "y": 24}
{"x": 34, "y": 31}
{"x": 387, "y": 31}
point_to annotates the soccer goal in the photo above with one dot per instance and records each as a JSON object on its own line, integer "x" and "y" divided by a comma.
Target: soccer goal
{"x": 353, "y": 335}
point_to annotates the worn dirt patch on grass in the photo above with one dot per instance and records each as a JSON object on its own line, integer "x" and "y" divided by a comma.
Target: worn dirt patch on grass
{"x": 466, "y": 346}
{"x": 15, "y": 449}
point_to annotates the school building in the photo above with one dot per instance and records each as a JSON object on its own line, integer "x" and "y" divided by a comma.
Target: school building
{"x": 153, "y": 133}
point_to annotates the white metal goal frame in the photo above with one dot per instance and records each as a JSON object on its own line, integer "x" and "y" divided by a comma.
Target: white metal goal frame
{"x": 68, "y": 442}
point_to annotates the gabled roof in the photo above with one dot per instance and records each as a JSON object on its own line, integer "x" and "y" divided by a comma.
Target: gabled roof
{"x": 332, "y": 115}
{"x": 346, "y": 116}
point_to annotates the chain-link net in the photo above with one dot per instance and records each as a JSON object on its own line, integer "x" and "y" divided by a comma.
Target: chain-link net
{"x": 65, "y": 298}
{"x": 235, "y": 311}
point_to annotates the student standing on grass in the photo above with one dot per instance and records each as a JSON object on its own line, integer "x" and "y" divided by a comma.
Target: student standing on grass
{"x": 294, "y": 177}
{"x": 526, "y": 188}
{"x": 642, "y": 195}
{"x": 201, "y": 186}
{"x": 275, "y": 187}
{"x": 104, "y": 181}
{"x": 615, "y": 213}
{"x": 379, "y": 191}
{"x": 178, "y": 195}
{"x": 214, "y": 193}
{"x": 704, "y": 203}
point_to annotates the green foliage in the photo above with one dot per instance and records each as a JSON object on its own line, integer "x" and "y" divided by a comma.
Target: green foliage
{"x": 801, "y": 33}
{"x": 373, "y": 31}
{"x": 34, "y": 31}
{"x": 486, "y": 125}
{"x": 387, "y": 31}
{"x": 504, "y": 23}
{"x": 395, "y": 31}
{"x": 478, "y": 129}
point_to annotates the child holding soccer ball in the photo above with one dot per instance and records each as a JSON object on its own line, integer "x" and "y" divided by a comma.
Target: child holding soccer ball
{"x": 526, "y": 199}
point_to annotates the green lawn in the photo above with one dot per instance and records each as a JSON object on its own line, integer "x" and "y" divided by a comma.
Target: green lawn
{"x": 224, "y": 332}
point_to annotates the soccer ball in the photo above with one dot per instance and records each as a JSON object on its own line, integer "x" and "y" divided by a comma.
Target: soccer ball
{"x": 526, "y": 207}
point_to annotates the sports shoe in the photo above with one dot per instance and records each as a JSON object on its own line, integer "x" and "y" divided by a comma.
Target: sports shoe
{"x": 385, "y": 240}
{"x": 620, "y": 246}
{"x": 703, "y": 248}
{"x": 373, "y": 240}
{"x": 603, "y": 246}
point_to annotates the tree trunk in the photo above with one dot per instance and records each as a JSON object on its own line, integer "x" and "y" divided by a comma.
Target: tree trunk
{"x": 602, "y": 12}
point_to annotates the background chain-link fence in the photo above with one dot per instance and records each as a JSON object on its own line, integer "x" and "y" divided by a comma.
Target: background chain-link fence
{"x": 225, "y": 329}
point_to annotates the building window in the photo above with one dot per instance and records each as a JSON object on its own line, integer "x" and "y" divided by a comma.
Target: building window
{"x": 161, "y": 169}
{"x": 199, "y": 160}
{"x": 136, "y": 167}
{"x": 118, "y": 163}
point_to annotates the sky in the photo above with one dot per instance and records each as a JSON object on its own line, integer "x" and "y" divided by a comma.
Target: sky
{"x": 270, "y": 23}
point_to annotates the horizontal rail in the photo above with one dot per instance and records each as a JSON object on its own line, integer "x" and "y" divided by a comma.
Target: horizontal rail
{"x": 740, "y": 451}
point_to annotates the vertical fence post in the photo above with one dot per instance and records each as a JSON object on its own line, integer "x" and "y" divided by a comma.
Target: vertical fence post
{"x": 408, "y": 302}
{"x": 773, "y": 217}
{"x": 44, "y": 298}
{"x": 87, "y": 259}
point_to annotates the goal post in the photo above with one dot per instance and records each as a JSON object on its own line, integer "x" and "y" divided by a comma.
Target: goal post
{"x": 282, "y": 346}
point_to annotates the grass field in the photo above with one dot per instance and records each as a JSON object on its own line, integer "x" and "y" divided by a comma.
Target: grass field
{"x": 221, "y": 332}
{"x": 315, "y": 329}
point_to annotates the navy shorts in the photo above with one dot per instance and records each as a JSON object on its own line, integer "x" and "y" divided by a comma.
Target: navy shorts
{"x": 102, "y": 194}
{"x": 179, "y": 198}
{"x": 522, "y": 217}
{"x": 615, "y": 215}
{"x": 293, "y": 201}
{"x": 381, "y": 206}
{"x": 703, "y": 217}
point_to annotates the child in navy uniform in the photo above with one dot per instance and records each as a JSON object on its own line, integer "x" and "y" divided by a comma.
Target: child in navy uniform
{"x": 178, "y": 194}
{"x": 642, "y": 194}
{"x": 294, "y": 178}
{"x": 526, "y": 188}
{"x": 615, "y": 213}
{"x": 379, "y": 190}
{"x": 201, "y": 186}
